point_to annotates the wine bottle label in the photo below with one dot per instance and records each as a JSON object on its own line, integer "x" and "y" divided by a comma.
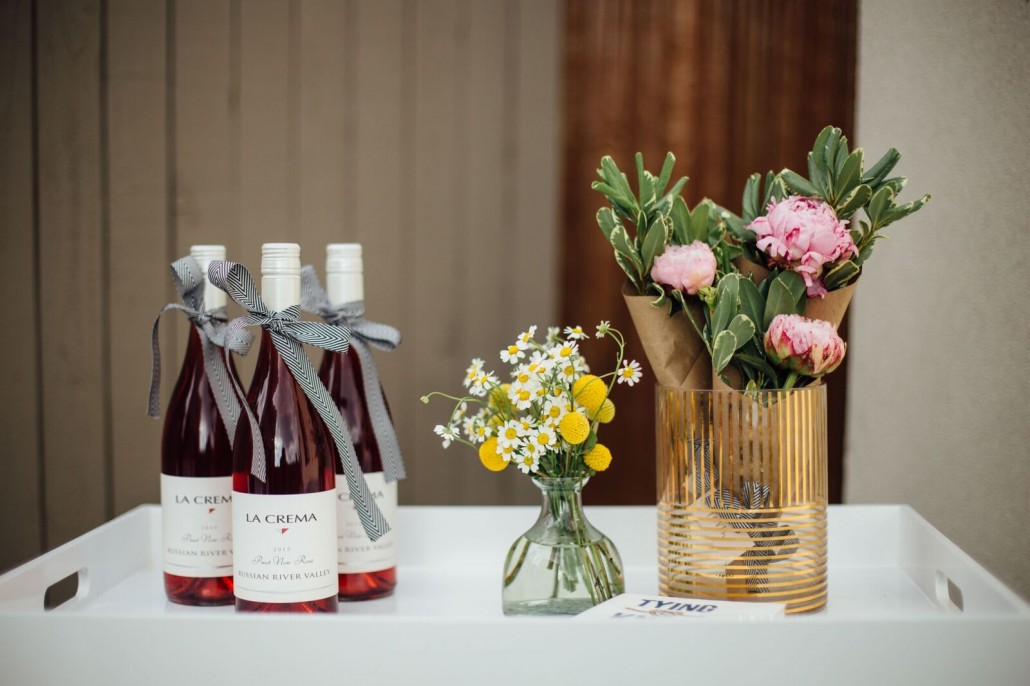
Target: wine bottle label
{"x": 196, "y": 522}
{"x": 284, "y": 547}
{"x": 355, "y": 552}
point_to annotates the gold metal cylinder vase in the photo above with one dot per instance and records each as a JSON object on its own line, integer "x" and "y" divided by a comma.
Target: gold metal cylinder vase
{"x": 742, "y": 495}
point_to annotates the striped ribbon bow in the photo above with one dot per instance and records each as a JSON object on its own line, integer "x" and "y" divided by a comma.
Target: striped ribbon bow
{"x": 363, "y": 333}
{"x": 210, "y": 324}
{"x": 287, "y": 333}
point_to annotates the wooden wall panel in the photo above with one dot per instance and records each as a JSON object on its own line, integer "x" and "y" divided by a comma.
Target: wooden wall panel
{"x": 19, "y": 352}
{"x": 322, "y": 87}
{"x": 138, "y": 208}
{"x": 426, "y": 130}
{"x": 72, "y": 252}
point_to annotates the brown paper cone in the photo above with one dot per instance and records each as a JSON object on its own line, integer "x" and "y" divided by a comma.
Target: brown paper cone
{"x": 677, "y": 355}
{"x": 748, "y": 268}
{"x": 832, "y": 307}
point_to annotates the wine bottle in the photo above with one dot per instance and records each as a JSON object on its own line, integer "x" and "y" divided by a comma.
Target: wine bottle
{"x": 196, "y": 475}
{"x": 284, "y": 528}
{"x": 366, "y": 570}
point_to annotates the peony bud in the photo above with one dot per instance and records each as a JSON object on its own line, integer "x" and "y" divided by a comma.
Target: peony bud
{"x": 803, "y": 235}
{"x": 807, "y": 346}
{"x": 685, "y": 267}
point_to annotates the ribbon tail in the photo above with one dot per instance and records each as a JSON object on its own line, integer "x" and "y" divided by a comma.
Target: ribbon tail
{"x": 154, "y": 401}
{"x": 386, "y": 434}
{"x": 218, "y": 379}
{"x": 257, "y": 455}
{"x": 368, "y": 512}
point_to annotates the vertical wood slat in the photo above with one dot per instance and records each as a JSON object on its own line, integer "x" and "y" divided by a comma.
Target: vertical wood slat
{"x": 265, "y": 177}
{"x": 19, "y": 361}
{"x": 323, "y": 215}
{"x": 72, "y": 289}
{"x": 207, "y": 124}
{"x": 377, "y": 180}
{"x": 138, "y": 205}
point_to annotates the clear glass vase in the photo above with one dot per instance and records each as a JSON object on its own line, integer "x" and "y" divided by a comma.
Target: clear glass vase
{"x": 563, "y": 565}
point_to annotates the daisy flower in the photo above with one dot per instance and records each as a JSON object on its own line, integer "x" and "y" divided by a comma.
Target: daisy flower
{"x": 539, "y": 363}
{"x": 510, "y": 434}
{"x": 528, "y": 462}
{"x": 554, "y": 410}
{"x": 630, "y": 372}
{"x": 508, "y": 452}
{"x": 521, "y": 395}
{"x": 448, "y": 433}
{"x": 553, "y": 334}
{"x": 512, "y": 354}
{"x": 482, "y": 384}
{"x": 563, "y": 352}
{"x": 473, "y": 371}
{"x": 575, "y": 333}
{"x": 525, "y": 338}
{"x": 603, "y": 328}
{"x": 544, "y": 437}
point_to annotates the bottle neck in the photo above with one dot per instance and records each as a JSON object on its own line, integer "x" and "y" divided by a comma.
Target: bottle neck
{"x": 344, "y": 287}
{"x": 280, "y": 291}
{"x": 214, "y": 297}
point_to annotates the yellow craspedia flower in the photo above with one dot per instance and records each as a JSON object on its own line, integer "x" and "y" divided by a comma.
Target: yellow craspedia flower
{"x": 489, "y": 457}
{"x": 589, "y": 391}
{"x": 574, "y": 428}
{"x": 605, "y": 413}
{"x": 598, "y": 458}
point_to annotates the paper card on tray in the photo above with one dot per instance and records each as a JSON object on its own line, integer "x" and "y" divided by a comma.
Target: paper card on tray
{"x": 644, "y": 606}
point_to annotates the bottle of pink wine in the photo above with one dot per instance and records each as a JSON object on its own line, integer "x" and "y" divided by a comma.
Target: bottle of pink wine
{"x": 284, "y": 528}
{"x": 196, "y": 474}
{"x": 366, "y": 569}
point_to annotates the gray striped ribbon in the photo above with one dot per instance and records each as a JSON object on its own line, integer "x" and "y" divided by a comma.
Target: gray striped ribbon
{"x": 189, "y": 282}
{"x": 766, "y": 535}
{"x": 363, "y": 333}
{"x": 287, "y": 333}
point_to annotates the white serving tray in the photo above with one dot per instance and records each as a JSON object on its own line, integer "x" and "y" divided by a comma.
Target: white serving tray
{"x": 892, "y": 617}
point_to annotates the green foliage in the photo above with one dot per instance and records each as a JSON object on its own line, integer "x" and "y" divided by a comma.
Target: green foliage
{"x": 658, "y": 217}
{"x": 739, "y": 314}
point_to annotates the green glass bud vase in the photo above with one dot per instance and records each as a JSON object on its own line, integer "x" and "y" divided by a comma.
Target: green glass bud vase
{"x": 562, "y": 565}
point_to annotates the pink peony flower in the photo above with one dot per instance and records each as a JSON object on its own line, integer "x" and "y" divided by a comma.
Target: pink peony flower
{"x": 808, "y": 346}
{"x": 803, "y": 235}
{"x": 685, "y": 267}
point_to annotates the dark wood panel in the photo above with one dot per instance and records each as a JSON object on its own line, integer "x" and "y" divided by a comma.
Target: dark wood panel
{"x": 20, "y": 497}
{"x": 137, "y": 168}
{"x": 73, "y": 297}
{"x": 714, "y": 82}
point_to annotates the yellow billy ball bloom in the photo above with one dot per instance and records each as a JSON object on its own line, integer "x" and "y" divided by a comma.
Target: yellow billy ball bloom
{"x": 489, "y": 457}
{"x": 574, "y": 428}
{"x": 598, "y": 458}
{"x": 605, "y": 413}
{"x": 589, "y": 391}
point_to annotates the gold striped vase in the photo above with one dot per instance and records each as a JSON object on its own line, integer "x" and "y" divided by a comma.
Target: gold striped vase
{"x": 742, "y": 495}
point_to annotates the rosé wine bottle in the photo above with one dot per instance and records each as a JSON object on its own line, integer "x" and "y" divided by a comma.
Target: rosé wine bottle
{"x": 367, "y": 570}
{"x": 284, "y": 528}
{"x": 196, "y": 475}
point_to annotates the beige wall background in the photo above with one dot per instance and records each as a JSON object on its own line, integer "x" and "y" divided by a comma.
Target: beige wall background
{"x": 939, "y": 409}
{"x": 131, "y": 129}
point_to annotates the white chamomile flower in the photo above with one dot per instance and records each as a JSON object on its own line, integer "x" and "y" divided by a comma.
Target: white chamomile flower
{"x": 473, "y": 371}
{"x": 468, "y": 427}
{"x": 481, "y": 431}
{"x": 553, "y": 334}
{"x": 603, "y": 328}
{"x": 544, "y": 437}
{"x": 528, "y": 462}
{"x": 580, "y": 363}
{"x": 482, "y": 384}
{"x": 508, "y": 452}
{"x": 554, "y": 410}
{"x": 512, "y": 354}
{"x": 563, "y": 351}
{"x": 448, "y": 433}
{"x": 575, "y": 333}
{"x": 630, "y": 372}
{"x": 525, "y": 338}
{"x": 568, "y": 371}
{"x": 510, "y": 434}
{"x": 539, "y": 364}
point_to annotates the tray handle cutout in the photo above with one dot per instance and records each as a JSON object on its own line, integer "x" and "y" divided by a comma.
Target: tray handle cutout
{"x": 949, "y": 595}
{"x": 65, "y": 590}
